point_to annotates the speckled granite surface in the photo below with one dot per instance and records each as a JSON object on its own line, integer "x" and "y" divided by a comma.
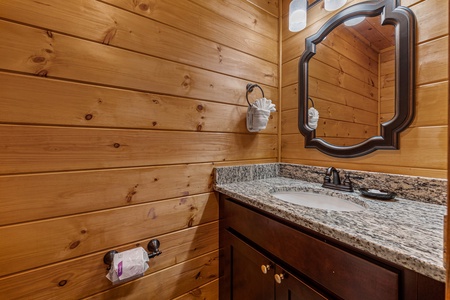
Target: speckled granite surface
{"x": 430, "y": 190}
{"x": 408, "y": 233}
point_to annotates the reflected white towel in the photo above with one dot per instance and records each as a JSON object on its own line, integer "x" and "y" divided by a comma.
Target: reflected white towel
{"x": 258, "y": 114}
{"x": 313, "y": 117}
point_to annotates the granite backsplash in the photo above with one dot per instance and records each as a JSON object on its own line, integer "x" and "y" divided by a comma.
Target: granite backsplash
{"x": 424, "y": 189}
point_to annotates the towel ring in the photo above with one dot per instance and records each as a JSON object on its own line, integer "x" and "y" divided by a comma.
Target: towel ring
{"x": 250, "y": 88}
{"x": 309, "y": 98}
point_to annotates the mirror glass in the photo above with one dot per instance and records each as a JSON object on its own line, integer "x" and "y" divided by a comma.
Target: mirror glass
{"x": 352, "y": 81}
{"x": 358, "y": 72}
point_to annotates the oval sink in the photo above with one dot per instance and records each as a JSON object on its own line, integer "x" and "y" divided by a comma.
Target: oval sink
{"x": 318, "y": 201}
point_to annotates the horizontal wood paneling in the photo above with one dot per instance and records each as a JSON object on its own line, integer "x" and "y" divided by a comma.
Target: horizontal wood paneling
{"x": 345, "y": 164}
{"x": 112, "y": 116}
{"x": 431, "y": 109}
{"x": 155, "y": 34}
{"x": 246, "y": 14}
{"x": 415, "y": 150}
{"x": 77, "y": 192}
{"x": 61, "y": 56}
{"x": 423, "y": 148}
{"x": 178, "y": 280}
{"x": 271, "y": 6}
{"x": 26, "y": 99}
{"x": 432, "y": 61}
{"x": 177, "y": 247}
{"x": 76, "y": 235}
{"x": 189, "y": 17}
{"x": 209, "y": 291}
{"x": 38, "y": 149}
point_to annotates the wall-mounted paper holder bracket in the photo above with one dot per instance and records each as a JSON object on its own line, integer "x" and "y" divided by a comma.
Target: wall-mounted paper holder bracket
{"x": 152, "y": 247}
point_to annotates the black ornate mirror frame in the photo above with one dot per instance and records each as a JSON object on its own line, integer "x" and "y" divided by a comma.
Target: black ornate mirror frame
{"x": 404, "y": 21}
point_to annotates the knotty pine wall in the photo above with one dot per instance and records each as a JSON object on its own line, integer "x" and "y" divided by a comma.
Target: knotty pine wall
{"x": 112, "y": 116}
{"x": 423, "y": 146}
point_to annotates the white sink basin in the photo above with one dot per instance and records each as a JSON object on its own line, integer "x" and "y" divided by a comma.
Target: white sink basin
{"x": 318, "y": 201}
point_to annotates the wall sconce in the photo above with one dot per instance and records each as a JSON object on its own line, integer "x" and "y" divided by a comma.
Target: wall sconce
{"x": 297, "y": 15}
{"x": 331, "y": 5}
{"x": 298, "y": 9}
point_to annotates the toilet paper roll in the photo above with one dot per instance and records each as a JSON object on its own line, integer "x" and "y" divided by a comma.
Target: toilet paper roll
{"x": 128, "y": 265}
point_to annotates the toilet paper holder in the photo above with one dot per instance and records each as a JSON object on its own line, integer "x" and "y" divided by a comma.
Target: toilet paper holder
{"x": 152, "y": 247}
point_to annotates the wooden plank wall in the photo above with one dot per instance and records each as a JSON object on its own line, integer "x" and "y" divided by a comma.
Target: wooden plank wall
{"x": 346, "y": 66}
{"x": 112, "y": 116}
{"x": 387, "y": 85}
{"x": 423, "y": 146}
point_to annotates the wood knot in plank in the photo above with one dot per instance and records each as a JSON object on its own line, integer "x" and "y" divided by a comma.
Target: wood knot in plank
{"x": 151, "y": 213}
{"x": 74, "y": 244}
{"x": 198, "y": 276}
{"x": 143, "y": 6}
{"x": 131, "y": 193}
{"x": 200, "y": 107}
{"x": 42, "y": 73}
{"x": 186, "y": 82}
{"x": 191, "y": 221}
{"x": 38, "y": 59}
{"x": 62, "y": 283}
{"x": 110, "y": 34}
{"x": 197, "y": 293}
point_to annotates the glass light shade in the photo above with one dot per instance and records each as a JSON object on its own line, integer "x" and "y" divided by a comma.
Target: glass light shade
{"x": 354, "y": 21}
{"x": 331, "y": 5}
{"x": 297, "y": 15}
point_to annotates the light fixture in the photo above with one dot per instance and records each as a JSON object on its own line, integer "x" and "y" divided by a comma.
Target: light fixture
{"x": 297, "y": 15}
{"x": 331, "y": 5}
{"x": 354, "y": 21}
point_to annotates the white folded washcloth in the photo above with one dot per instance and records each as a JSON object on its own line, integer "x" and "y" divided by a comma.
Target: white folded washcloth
{"x": 258, "y": 114}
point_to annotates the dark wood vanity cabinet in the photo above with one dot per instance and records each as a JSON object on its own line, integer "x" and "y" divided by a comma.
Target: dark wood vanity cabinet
{"x": 251, "y": 275}
{"x": 306, "y": 265}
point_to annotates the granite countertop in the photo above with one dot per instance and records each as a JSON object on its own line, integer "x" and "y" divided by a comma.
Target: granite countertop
{"x": 405, "y": 232}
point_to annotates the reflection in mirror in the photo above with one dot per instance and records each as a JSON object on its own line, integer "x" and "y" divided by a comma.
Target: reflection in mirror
{"x": 361, "y": 77}
{"x": 352, "y": 81}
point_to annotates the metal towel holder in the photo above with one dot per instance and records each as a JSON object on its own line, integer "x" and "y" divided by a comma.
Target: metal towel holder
{"x": 250, "y": 88}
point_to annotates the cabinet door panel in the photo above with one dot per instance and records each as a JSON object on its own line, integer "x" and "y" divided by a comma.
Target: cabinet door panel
{"x": 292, "y": 288}
{"x": 244, "y": 272}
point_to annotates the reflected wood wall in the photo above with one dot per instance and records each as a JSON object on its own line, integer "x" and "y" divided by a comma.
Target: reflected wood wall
{"x": 112, "y": 116}
{"x": 423, "y": 146}
{"x": 345, "y": 66}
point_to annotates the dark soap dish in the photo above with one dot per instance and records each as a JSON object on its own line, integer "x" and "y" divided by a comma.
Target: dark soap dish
{"x": 377, "y": 194}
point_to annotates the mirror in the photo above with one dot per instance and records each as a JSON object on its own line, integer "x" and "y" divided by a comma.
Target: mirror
{"x": 360, "y": 79}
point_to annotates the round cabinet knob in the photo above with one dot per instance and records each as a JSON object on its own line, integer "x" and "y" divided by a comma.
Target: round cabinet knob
{"x": 279, "y": 278}
{"x": 265, "y": 268}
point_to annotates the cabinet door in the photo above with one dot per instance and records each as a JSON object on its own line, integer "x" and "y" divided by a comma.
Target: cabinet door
{"x": 243, "y": 273}
{"x": 288, "y": 287}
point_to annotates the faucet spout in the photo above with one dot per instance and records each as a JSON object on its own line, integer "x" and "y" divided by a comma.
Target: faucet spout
{"x": 332, "y": 180}
{"x": 333, "y": 176}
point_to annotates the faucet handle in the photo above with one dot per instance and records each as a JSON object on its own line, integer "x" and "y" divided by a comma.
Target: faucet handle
{"x": 347, "y": 180}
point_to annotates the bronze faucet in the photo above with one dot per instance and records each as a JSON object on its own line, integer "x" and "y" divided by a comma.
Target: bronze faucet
{"x": 333, "y": 181}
